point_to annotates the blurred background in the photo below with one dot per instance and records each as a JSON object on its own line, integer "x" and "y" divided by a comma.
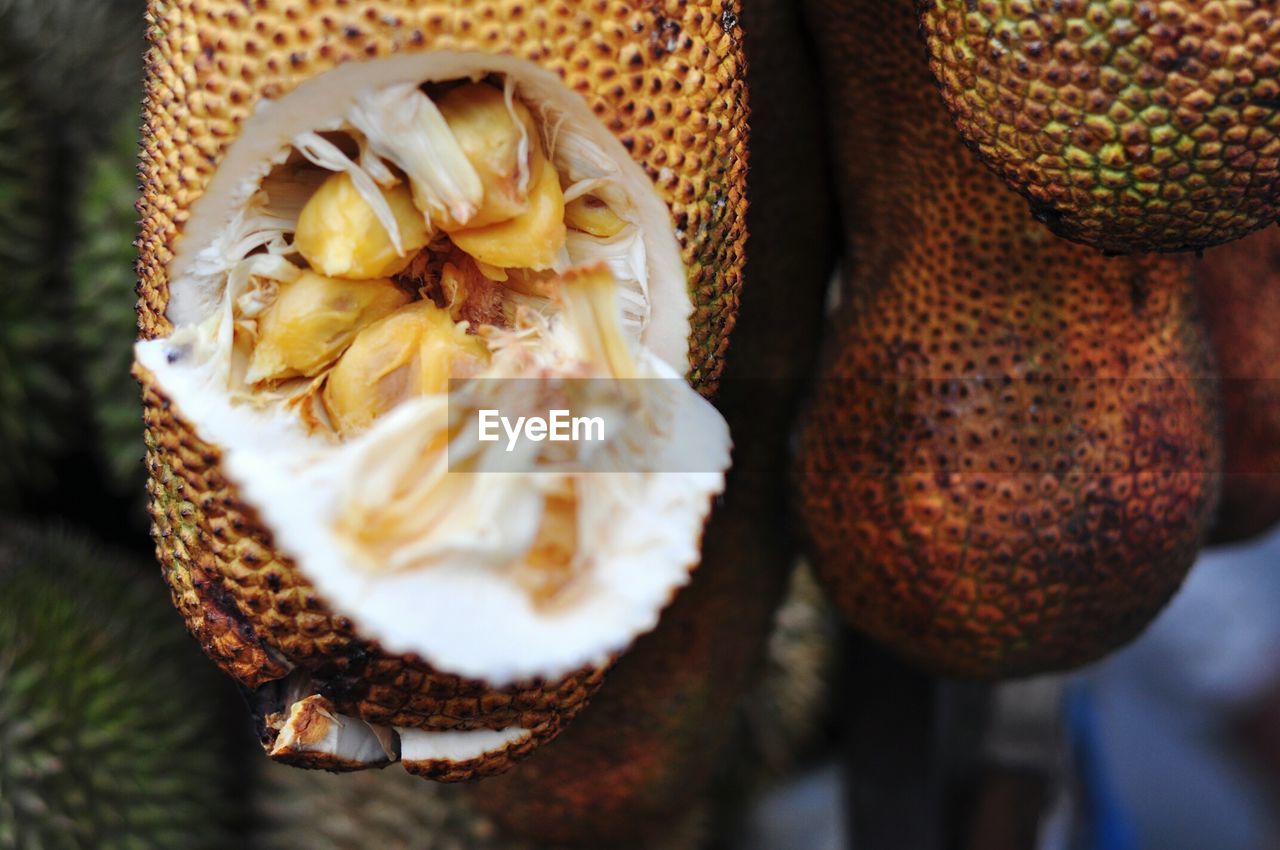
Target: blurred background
{"x": 115, "y": 731}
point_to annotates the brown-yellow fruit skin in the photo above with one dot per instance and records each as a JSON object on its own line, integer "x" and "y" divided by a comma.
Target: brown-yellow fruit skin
{"x": 1240, "y": 293}
{"x": 647, "y": 747}
{"x": 1011, "y": 456}
{"x": 249, "y": 607}
{"x": 666, "y": 78}
{"x": 1130, "y": 125}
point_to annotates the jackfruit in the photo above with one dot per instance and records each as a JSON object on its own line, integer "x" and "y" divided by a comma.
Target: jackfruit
{"x": 1129, "y": 126}
{"x": 436, "y": 654}
{"x": 34, "y": 390}
{"x": 531, "y": 240}
{"x": 1012, "y": 455}
{"x": 103, "y": 280}
{"x": 109, "y": 721}
{"x": 1240, "y": 295}
{"x": 409, "y": 353}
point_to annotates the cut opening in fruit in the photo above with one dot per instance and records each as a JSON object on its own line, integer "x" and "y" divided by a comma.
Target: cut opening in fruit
{"x": 377, "y": 245}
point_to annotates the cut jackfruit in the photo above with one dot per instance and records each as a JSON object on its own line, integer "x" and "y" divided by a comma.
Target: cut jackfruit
{"x": 431, "y": 634}
{"x": 501, "y": 141}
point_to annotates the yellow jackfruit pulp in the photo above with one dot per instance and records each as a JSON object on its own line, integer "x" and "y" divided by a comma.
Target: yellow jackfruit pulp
{"x": 531, "y": 240}
{"x": 312, "y": 321}
{"x": 340, "y": 235}
{"x": 489, "y": 136}
{"x": 412, "y": 352}
{"x": 592, "y": 215}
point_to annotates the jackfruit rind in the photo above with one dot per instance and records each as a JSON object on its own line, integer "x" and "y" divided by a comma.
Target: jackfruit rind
{"x": 107, "y": 718}
{"x": 1128, "y": 126}
{"x": 103, "y": 281}
{"x": 34, "y": 356}
{"x": 1012, "y": 454}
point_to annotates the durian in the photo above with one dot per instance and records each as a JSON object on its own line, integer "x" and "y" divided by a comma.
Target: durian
{"x": 103, "y": 282}
{"x": 34, "y": 391}
{"x": 86, "y": 58}
{"x": 383, "y": 606}
{"x": 108, "y": 730}
{"x": 390, "y": 809}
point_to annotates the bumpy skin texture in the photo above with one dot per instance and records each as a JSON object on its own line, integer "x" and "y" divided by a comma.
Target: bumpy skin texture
{"x": 667, "y": 78}
{"x": 109, "y": 728}
{"x": 1240, "y": 290}
{"x": 103, "y": 281}
{"x": 1011, "y": 456}
{"x": 649, "y": 744}
{"x": 251, "y": 609}
{"x": 1130, "y": 125}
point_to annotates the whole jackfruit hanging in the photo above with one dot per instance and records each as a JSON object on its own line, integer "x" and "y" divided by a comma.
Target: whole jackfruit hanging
{"x": 109, "y": 726}
{"x": 643, "y": 108}
{"x": 1129, "y": 126}
{"x": 1012, "y": 454}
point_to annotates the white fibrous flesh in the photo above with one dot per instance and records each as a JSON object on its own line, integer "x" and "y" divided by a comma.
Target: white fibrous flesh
{"x": 338, "y": 381}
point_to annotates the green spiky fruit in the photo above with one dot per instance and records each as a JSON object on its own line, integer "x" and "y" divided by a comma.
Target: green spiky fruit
{"x": 107, "y": 738}
{"x": 103, "y": 280}
{"x": 33, "y": 392}
{"x": 86, "y": 58}
{"x": 391, "y": 809}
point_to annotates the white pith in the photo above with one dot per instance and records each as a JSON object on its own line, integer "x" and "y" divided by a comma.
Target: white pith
{"x": 452, "y": 597}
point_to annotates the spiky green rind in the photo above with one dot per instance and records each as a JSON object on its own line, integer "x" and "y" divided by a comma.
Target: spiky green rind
{"x": 390, "y": 809}
{"x": 33, "y": 389}
{"x": 107, "y": 731}
{"x": 86, "y": 60}
{"x": 103, "y": 282}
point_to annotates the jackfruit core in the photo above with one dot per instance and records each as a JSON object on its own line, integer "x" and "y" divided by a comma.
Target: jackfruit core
{"x": 439, "y": 234}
